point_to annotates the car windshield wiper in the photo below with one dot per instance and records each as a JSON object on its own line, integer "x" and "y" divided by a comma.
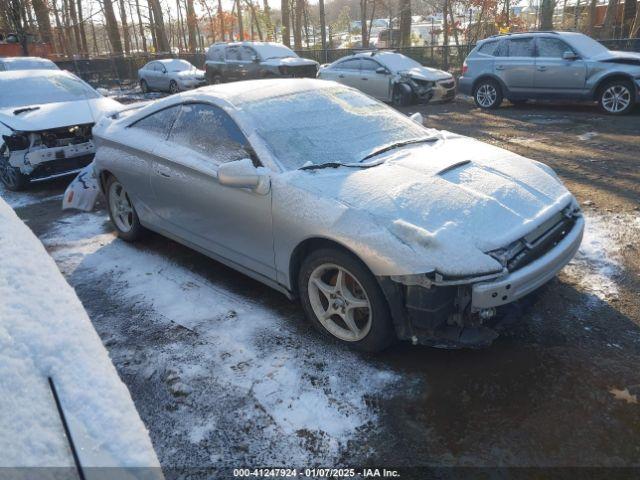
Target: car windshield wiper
{"x": 393, "y": 146}
{"x": 318, "y": 166}
{"x": 18, "y": 111}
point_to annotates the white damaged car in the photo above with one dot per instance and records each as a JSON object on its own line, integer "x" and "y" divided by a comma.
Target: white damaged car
{"x": 46, "y": 118}
{"x": 391, "y": 77}
{"x": 381, "y": 227}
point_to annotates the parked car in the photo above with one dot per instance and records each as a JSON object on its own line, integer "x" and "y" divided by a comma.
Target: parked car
{"x": 551, "y": 65}
{"x": 382, "y": 227}
{"x": 26, "y": 63}
{"x": 228, "y": 62}
{"x": 45, "y": 123}
{"x": 170, "y": 75}
{"x": 391, "y": 77}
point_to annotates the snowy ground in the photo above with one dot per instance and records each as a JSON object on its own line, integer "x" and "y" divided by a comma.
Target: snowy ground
{"x": 224, "y": 371}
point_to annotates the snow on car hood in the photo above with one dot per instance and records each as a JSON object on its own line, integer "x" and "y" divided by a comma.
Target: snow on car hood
{"x": 186, "y": 74}
{"x": 289, "y": 61}
{"x": 450, "y": 201}
{"x": 426, "y": 73}
{"x": 59, "y": 114}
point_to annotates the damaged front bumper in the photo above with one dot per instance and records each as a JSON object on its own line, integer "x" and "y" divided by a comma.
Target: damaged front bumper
{"x": 459, "y": 313}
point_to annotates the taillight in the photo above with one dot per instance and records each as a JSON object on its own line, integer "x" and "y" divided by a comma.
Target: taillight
{"x": 464, "y": 68}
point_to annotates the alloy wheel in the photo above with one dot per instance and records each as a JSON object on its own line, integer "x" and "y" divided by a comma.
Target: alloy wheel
{"x": 616, "y": 98}
{"x": 121, "y": 208}
{"x": 339, "y": 302}
{"x": 173, "y": 87}
{"x": 486, "y": 95}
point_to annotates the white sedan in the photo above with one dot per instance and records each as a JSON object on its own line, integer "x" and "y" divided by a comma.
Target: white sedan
{"x": 170, "y": 75}
{"x": 391, "y": 77}
{"x": 45, "y": 123}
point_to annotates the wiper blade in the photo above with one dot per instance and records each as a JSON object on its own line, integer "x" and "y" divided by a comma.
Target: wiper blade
{"x": 332, "y": 165}
{"x": 25, "y": 109}
{"x": 399, "y": 145}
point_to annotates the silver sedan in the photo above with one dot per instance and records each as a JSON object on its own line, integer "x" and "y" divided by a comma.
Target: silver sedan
{"x": 381, "y": 227}
{"x": 170, "y": 75}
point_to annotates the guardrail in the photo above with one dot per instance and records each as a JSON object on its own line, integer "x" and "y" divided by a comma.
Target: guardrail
{"x": 119, "y": 70}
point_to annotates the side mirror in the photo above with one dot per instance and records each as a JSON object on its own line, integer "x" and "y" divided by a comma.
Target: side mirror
{"x": 242, "y": 174}
{"x": 417, "y": 117}
{"x": 381, "y": 70}
{"x": 569, "y": 55}
{"x": 255, "y": 59}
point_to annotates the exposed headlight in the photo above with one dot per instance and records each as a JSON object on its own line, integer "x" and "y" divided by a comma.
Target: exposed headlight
{"x": 16, "y": 141}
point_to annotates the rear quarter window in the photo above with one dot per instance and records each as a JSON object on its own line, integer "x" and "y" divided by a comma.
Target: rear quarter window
{"x": 488, "y": 48}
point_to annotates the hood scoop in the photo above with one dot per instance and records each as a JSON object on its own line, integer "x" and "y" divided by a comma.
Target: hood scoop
{"x": 453, "y": 166}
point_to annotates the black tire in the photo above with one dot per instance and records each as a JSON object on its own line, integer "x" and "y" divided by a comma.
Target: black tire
{"x": 12, "y": 178}
{"x": 216, "y": 79}
{"x": 144, "y": 86}
{"x": 380, "y": 333}
{"x": 137, "y": 231}
{"x": 611, "y": 105}
{"x": 487, "y": 94}
{"x": 402, "y": 96}
{"x": 173, "y": 87}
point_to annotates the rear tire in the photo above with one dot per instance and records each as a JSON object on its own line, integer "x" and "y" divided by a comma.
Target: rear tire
{"x": 144, "y": 87}
{"x": 12, "y": 178}
{"x": 487, "y": 94}
{"x": 122, "y": 212}
{"x": 349, "y": 306}
{"x": 173, "y": 87}
{"x": 616, "y": 97}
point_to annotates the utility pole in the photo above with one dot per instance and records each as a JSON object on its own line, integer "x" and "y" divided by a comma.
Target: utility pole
{"x": 323, "y": 30}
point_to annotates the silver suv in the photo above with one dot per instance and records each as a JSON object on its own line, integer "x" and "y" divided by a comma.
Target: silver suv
{"x": 551, "y": 65}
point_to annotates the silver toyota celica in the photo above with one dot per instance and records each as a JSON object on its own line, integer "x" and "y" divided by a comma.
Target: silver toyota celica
{"x": 381, "y": 227}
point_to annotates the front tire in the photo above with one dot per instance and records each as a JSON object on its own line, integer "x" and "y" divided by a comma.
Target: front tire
{"x": 144, "y": 87}
{"x": 343, "y": 300}
{"x": 11, "y": 176}
{"x": 487, "y": 94}
{"x": 616, "y": 97}
{"x": 122, "y": 213}
{"x": 173, "y": 87}
{"x": 402, "y": 95}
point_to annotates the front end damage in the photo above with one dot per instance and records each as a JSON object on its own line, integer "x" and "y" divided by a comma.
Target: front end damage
{"x": 421, "y": 90}
{"x": 434, "y": 310}
{"x": 42, "y": 155}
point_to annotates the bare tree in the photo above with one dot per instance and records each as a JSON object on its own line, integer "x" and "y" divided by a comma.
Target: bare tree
{"x": 546, "y": 14}
{"x": 221, "y": 16}
{"x": 158, "y": 26}
{"x": 610, "y": 19}
{"x": 593, "y": 5}
{"x": 44, "y": 23}
{"x": 192, "y": 23}
{"x": 83, "y": 34}
{"x": 75, "y": 25}
{"x": 286, "y": 23}
{"x": 298, "y": 7}
{"x": 141, "y": 27}
{"x": 240, "y": 25}
{"x": 125, "y": 28}
{"x": 363, "y": 23}
{"x": 635, "y": 29}
{"x": 112, "y": 27}
{"x": 267, "y": 21}
{"x": 405, "y": 23}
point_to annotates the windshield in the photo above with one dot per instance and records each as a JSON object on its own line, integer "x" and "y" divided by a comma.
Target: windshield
{"x": 328, "y": 125}
{"x": 178, "y": 66}
{"x": 274, "y": 51}
{"x": 34, "y": 89}
{"x": 397, "y": 62}
{"x": 586, "y": 45}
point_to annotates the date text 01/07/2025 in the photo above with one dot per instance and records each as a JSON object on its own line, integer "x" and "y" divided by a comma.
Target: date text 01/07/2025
{"x": 315, "y": 473}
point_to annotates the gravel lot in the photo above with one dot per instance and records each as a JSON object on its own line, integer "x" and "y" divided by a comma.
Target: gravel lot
{"x": 225, "y": 372}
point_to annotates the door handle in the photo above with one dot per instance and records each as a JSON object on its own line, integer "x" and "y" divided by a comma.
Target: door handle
{"x": 163, "y": 171}
{"x": 499, "y": 67}
{"x": 542, "y": 68}
{"x": 364, "y": 78}
{"x": 340, "y": 76}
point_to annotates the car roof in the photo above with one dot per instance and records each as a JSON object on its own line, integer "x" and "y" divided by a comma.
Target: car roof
{"x": 32, "y": 60}
{"x": 249, "y": 44}
{"x": 18, "y": 74}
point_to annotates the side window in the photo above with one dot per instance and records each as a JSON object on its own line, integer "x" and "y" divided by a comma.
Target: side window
{"x": 488, "y": 48}
{"x": 158, "y": 123}
{"x": 552, "y": 47}
{"x": 369, "y": 65}
{"x": 232, "y": 53}
{"x": 247, "y": 54}
{"x": 353, "y": 64}
{"x": 501, "y": 50}
{"x": 520, "y": 47}
{"x": 210, "y": 131}
{"x": 218, "y": 54}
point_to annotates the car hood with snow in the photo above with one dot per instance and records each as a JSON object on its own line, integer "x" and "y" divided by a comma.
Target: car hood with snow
{"x": 457, "y": 196}
{"x": 288, "y": 62}
{"x": 38, "y": 117}
{"x": 426, "y": 73}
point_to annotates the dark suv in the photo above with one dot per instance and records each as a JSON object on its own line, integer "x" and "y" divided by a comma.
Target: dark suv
{"x": 551, "y": 65}
{"x": 227, "y": 62}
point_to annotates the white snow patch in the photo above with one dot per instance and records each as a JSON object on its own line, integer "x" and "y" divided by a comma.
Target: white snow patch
{"x": 587, "y": 136}
{"x": 235, "y": 351}
{"x": 45, "y": 332}
{"x": 598, "y": 262}
{"x": 24, "y": 199}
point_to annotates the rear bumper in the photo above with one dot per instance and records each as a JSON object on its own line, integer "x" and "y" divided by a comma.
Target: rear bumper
{"x": 465, "y": 85}
{"x": 529, "y": 278}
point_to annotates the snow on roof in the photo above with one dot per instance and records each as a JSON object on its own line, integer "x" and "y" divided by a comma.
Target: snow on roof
{"x": 46, "y": 333}
{"x": 25, "y": 63}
